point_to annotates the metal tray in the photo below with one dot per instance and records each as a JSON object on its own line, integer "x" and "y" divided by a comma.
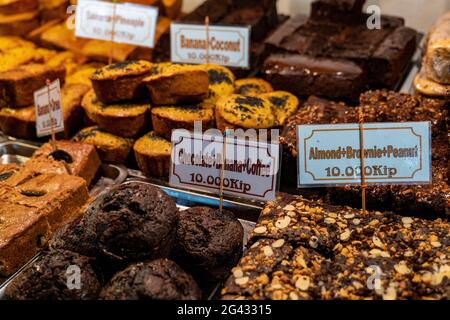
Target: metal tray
{"x": 184, "y": 200}
{"x": 20, "y": 151}
{"x": 243, "y": 209}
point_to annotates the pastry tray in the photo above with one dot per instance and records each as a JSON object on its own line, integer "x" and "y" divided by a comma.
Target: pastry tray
{"x": 184, "y": 200}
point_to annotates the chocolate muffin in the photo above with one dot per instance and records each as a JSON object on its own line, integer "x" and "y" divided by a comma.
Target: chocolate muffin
{"x": 49, "y": 278}
{"x": 75, "y": 236}
{"x": 208, "y": 243}
{"x": 134, "y": 222}
{"x": 157, "y": 280}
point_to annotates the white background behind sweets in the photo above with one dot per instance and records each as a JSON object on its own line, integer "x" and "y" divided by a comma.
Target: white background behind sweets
{"x": 419, "y": 14}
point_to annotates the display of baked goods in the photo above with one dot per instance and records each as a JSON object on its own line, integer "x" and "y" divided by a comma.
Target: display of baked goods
{"x": 142, "y": 281}
{"x": 169, "y": 118}
{"x": 121, "y": 81}
{"x": 334, "y": 54}
{"x": 303, "y": 249}
{"x": 152, "y": 153}
{"x": 125, "y": 119}
{"x": 178, "y": 84}
{"x": 319, "y": 69}
{"x": 19, "y": 84}
{"x": 110, "y": 148}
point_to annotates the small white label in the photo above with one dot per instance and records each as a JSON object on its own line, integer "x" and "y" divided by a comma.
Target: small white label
{"x": 228, "y": 46}
{"x": 251, "y": 169}
{"x": 49, "y": 115}
{"x": 131, "y": 24}
{"x": 395, "y": 153}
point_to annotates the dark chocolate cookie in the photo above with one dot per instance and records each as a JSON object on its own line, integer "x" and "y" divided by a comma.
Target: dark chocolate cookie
{"x": 208, "y": 243}
{"x": 157, "y": 280}
{"x": 134, "y": 222}
{"x": 53, "y": 276}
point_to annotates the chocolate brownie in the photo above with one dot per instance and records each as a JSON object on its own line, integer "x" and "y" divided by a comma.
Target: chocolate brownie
{"x": 49, "y": 278}
{"x": 305, "y": 75}
{"x": 335, "y": 39}
{"x": 208, "y": 243}
{"x": 157, "y": 280}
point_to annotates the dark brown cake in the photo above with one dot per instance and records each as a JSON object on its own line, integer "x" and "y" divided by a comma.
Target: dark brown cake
{"x": 305, "y": 75}
{"x": 157, "y": 280}
{"x": 47, "y": 279}
{"x": 208, "y": 243}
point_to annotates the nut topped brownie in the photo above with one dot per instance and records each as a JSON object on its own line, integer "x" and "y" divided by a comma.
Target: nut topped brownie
{"x": 302, "y": 249}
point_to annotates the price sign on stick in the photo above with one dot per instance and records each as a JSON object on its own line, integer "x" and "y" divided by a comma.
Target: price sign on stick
{"x": 223, "y": 45}
{"x": 121, "y": 23}
{"x": 49, "y": 114}
{"x": 250, "y": 168}
{"x": 392, "y": 153}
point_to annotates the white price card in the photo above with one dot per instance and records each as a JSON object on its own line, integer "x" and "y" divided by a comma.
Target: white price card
{"x": 394, "y": 153}
{"x": 49, "y": 114}
{"x": 122, "y": 23}
{"x": 250, "y": 171}
{"x": 227, "y": 46}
